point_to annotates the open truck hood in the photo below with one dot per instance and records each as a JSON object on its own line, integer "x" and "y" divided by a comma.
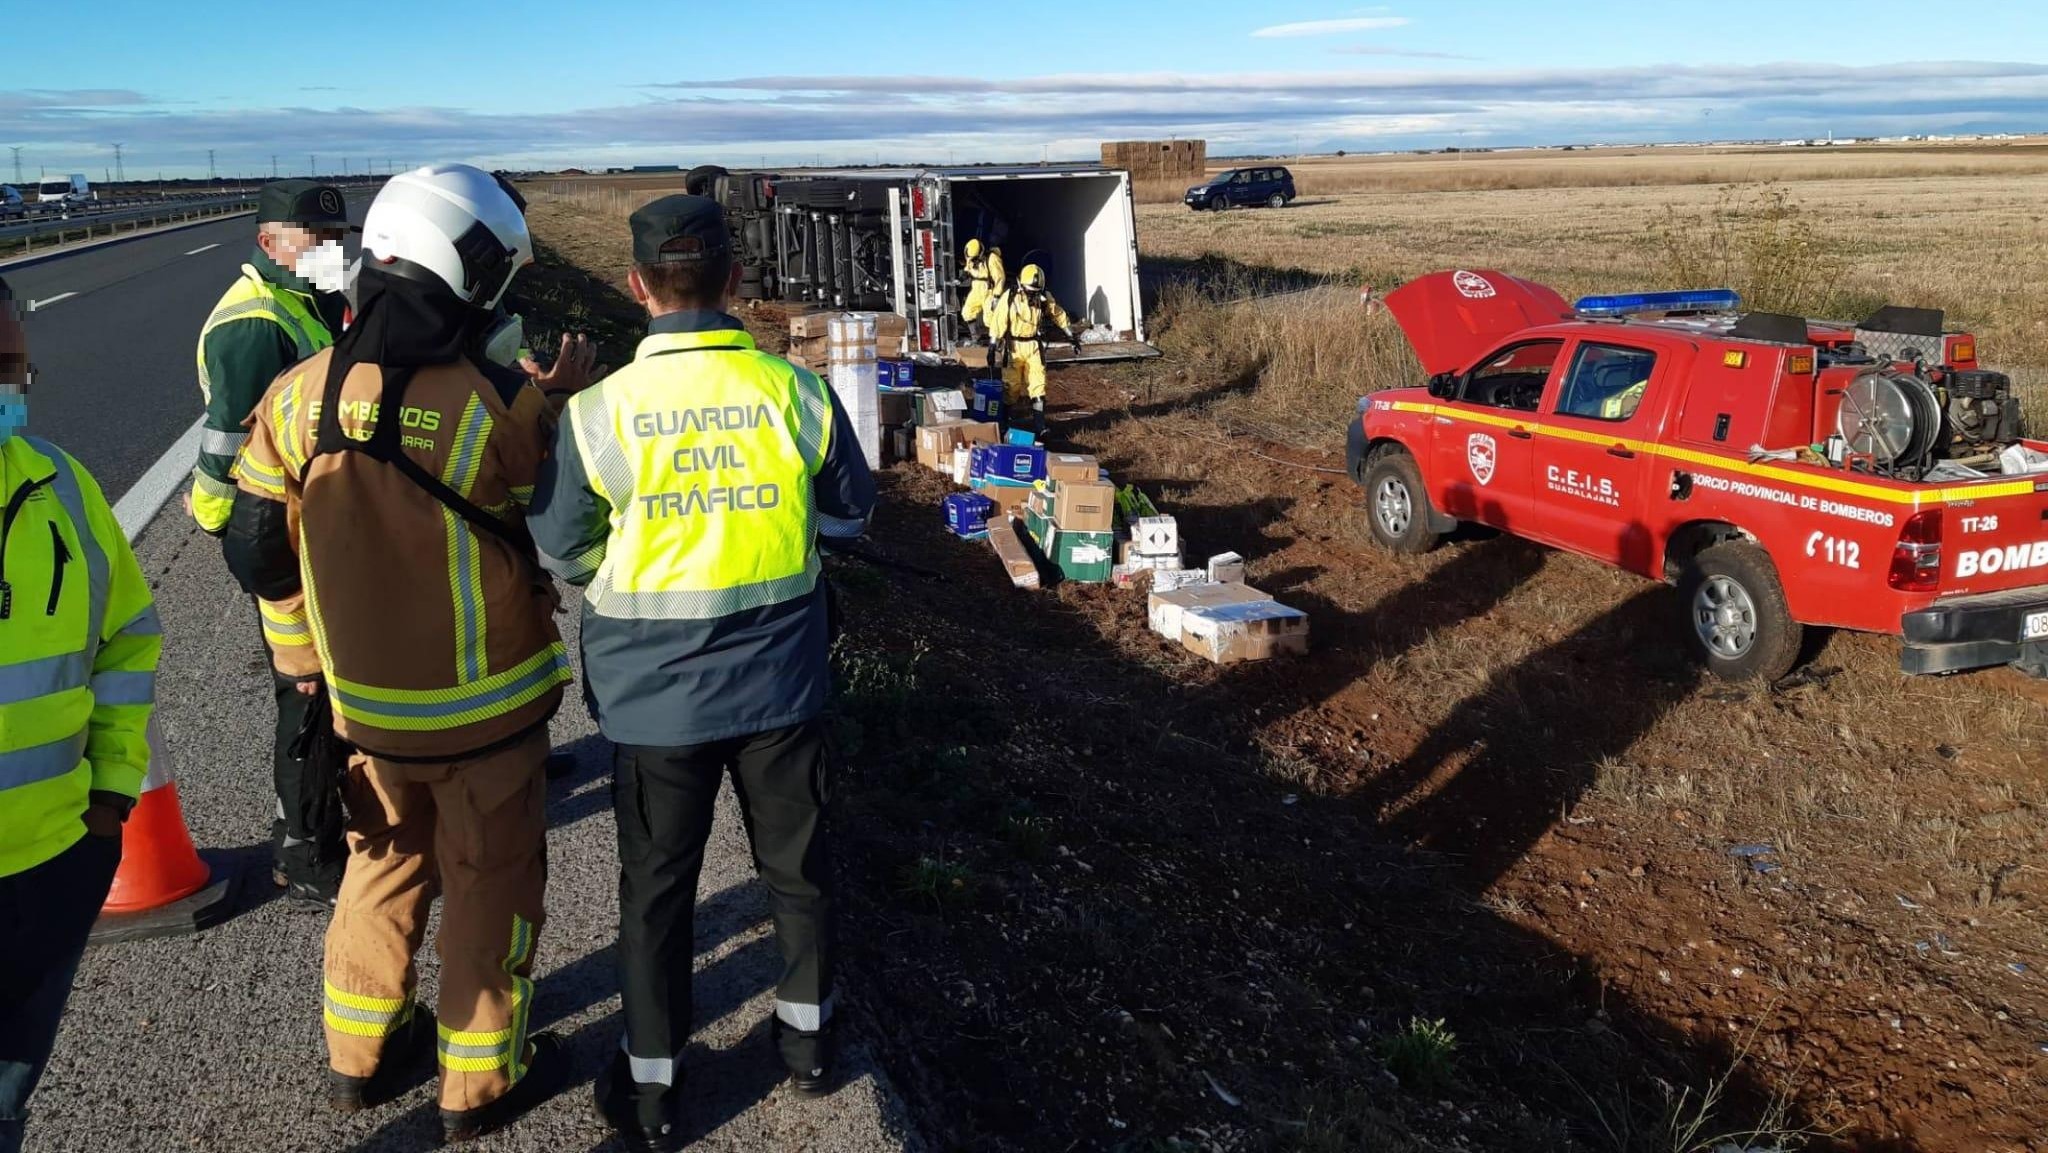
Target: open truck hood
{"x": 1451, "y": 318}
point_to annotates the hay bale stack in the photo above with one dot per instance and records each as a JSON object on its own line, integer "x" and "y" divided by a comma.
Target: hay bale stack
{"x": 1158, "y": 159}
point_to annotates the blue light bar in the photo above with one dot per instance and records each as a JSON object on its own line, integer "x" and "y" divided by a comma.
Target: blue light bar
{"x": 1689, "y": 300}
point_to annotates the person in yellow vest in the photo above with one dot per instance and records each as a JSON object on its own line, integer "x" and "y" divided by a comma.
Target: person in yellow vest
{"x": 379, "y": 517}
{"x": 79, "y": 641}
{"x": 986, "y": 282}
{"x": 285, "y": 306}
{"x": 684, "y": 496}
{"x": 1018, "y": 324}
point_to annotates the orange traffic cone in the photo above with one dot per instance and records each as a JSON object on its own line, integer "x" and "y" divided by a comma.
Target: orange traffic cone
{"x": 162, "y": 888}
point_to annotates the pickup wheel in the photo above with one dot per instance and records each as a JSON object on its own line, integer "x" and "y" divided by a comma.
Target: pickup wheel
{"x": 1736, "y": 619}
{"x": 1397, "y": 507}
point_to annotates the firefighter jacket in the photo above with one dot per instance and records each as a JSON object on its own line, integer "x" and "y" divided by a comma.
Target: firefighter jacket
{"x": 1018, "y": 316}
{"x": 267, "y": 321}
{"x": 683, "y": 496}
{"x": 79, "y": 641}
{"x": 435, "y": 637}
{"x": 986, "y": 270}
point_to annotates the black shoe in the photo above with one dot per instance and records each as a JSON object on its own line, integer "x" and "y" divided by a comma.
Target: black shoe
{"x": 814, "y": 1084}
{"x": 405, "y": 1053}
{"x": 312, "y": 895}
{"x": 807, "y": 1056}
{"x": 619, "y": 1111}
{"x": 546, "y": 1072}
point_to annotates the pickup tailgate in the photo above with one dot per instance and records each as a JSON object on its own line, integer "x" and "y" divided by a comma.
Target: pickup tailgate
{"x": 1994, "y": 536}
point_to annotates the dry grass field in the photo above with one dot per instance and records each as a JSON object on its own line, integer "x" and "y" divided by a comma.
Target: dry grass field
{"x": 1493, "y": 867}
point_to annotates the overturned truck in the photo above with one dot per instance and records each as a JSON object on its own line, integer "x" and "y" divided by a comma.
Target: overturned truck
{"x": 890, "y": 240}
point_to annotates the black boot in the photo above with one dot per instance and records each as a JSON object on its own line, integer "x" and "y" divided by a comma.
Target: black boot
{"x": 808, "y": 1057}
{"x": 644, "y": 1123}
{"x": 547, "y": 1070}
{"x": 406, "y": 1052}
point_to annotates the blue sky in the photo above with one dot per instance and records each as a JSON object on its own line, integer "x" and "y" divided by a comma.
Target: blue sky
{"x": 523, "y": 83}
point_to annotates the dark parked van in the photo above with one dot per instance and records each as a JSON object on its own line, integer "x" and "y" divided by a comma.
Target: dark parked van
{"x": 1243, "y": 188}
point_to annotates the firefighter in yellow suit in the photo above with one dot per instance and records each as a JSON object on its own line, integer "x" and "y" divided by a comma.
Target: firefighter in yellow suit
{"x": 1015, "y": 324}
{"x": 986, "y": 281}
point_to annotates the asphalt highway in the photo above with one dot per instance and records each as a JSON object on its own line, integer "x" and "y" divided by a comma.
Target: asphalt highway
{"x": 213, "y": 1042}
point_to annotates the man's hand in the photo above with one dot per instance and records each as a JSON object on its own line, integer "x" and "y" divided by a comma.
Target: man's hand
{"x": 572, "y": 371}
{"x": 102, "y": 821}
{"x": 310, "y": 687}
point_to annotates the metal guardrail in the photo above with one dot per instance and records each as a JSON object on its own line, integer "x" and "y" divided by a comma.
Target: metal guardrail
{"x": 85, "y": 225}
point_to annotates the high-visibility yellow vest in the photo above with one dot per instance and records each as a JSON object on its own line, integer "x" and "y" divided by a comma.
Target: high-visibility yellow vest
{"x": 705, "y": 449}
{"x": 78, "y": 648}
{"x": 213, "y": 498}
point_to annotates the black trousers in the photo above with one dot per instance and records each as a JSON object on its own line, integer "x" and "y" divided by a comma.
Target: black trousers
{"x": 306, "y": 828}
{"x": 45, "y": 913}
{"x": 663, "y": 798}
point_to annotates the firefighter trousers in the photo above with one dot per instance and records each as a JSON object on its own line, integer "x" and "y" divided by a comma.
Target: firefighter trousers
{"x": 977, "y": 300}
{"x": 475, "y": 832}
{"x": 306, "y": 829}
{"x": 664, "y": 799}
{"x": 1024, "y": 375}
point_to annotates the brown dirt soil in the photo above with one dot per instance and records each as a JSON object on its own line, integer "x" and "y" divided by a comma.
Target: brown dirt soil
{"x": 1099, "y": 894}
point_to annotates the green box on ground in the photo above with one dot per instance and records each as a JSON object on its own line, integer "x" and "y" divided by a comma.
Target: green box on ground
{"x": 1082, "y": 556}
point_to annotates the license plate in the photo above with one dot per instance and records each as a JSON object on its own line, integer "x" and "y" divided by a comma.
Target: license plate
{"x": 2035, "y": 628}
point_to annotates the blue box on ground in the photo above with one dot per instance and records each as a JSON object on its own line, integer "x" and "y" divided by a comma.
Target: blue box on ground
{"x": 985, "y": 399}
{"x": 1017, "y": 463}
{"x": 967, "y": 513}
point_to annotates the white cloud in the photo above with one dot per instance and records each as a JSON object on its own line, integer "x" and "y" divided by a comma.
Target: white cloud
{"x": 1331, "y": 27}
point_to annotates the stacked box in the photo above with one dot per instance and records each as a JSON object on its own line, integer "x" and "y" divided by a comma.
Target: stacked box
{"x": 986, "y": 400}
{"x": 1251, "y": 631}
{"x": 937, "y": 405}
{"x": 936, "y": 442}
{"x": 1008, "y": 496}
{"x": 1089, "y": 507}
{"x": 1164, "y": 609}
{"x": 1070, "y": 466}
{"x": 1226, "y": 568}
{"x": 1016, "y": 463}
{"x": 967, "y": 514}
{"x": 811, "y": 342}
{"x": 1082, "y": 556}
{"x": 897, "y": 373}
{"x": 1038, "y": 508}
{"x": 853, "y": 384}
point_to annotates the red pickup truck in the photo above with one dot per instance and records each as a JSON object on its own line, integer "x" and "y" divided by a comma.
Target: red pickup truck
{"x": 1782, "y": 472}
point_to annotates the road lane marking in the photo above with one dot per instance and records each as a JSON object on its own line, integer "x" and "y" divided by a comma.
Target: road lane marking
{"x": 208, "y": 248}
{"x": 147, "y": 496}
{"x": 38, "y": 305}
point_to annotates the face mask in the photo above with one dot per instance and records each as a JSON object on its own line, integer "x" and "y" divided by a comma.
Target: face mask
{"x": 504, "y": 339}
{"x": 325, "y": 267}
{"x": 13, "y": 411}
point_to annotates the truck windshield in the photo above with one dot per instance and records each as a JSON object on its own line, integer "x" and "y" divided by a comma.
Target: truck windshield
{"x": 55, "y": 187}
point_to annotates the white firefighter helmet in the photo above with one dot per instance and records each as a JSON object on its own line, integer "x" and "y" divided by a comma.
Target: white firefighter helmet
{"x": 449, "y": 225}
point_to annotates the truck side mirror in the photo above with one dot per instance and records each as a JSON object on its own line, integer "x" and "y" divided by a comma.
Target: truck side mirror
{"x": 1444, "y": 385}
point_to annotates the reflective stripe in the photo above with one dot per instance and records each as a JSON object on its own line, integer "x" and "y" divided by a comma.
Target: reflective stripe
{"x": 517, "y": 960}
{"x": 41, "y": 762}
{"x": 284, "y": 430}
{"x": 575, "y": 570}
{"x": 123, "y": 688}
{"x": 801, "y": 1017}
{"x": 473, "y": 1052}
{"x": 212, "y": 487}
{"x": 522, "y": 493}
{"x": 435, "y": 709}
{"x": 604, "y": 462}
{"x": 260, "y": 476}
{"x": 650, "y": 1070}
{"x": 814, "y": 419}
{"x": 144, "y": 624}
{"x": 465, "y": 551}
{"x": 216, "y": 443}
{"x": 27, "y": 680}
{"x": 361, "y": 1016}
{"x": 699, "y": 605}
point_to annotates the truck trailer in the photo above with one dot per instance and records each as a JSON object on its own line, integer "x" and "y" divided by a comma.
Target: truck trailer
{"x": 890, "y": 240}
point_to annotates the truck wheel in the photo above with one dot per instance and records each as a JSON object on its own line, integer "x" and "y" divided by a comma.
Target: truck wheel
{"x": 1276, "y": 201}
{"x": 1397, "y": 507}
{"x": 1736, "y": 619}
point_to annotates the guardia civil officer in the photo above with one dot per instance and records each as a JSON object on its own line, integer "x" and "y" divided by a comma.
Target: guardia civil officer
{"x": 684, "y": 495}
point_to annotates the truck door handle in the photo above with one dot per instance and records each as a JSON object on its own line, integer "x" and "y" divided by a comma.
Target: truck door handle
{"x": 1620, "y": 451}
{"x": 1521, "y": 434}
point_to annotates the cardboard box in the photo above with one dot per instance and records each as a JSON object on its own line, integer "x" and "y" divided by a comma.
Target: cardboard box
{"x": 963, "y": 458}
{"x": 1017, "y": 562}
{"x": 1169, "y": 579}
{"x": 1008, "y": 498}
{"x": 1087, "y": 507}
{"x": 1082, "y": 556}
{"x": 1072, "y": 467}
{"x": 967, "y": 513}
{"x": 1227, "y": 568}
{"x": 1163, "y": 609}
{"x": 892, "y": 407}
{"x": 936, "y": 442}
{"x": 810, "y": 324}
{"x": 1037, "y": 525}
{"x": 1252, "y": 631}
{"x": 897, "y": 373}
{"x": 985, "y": 399}
{"x": 1022, "y": 463}
{"x": 1155, "y": 536}
{"x": 902, "y": 444}
{"x": 1127, "y": 553}
{"x": 938, "y": 405}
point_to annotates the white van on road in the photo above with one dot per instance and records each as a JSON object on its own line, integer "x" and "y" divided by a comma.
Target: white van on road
{"x": 70, "y": 192}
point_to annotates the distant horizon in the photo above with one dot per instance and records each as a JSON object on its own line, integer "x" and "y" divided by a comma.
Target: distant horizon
{"x": 626, "y": 82}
